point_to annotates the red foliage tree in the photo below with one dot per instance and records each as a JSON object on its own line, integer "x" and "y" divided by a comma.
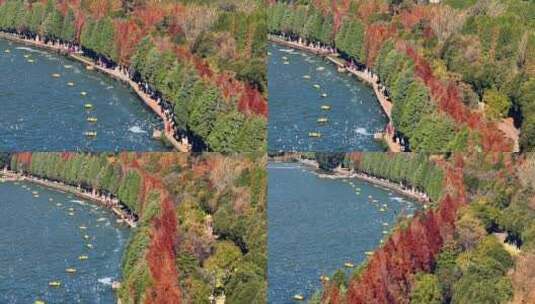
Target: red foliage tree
{"x": 161, "y": 258}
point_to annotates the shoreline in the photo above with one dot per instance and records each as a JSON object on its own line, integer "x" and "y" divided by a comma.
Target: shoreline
{"x": 101, "y": 200}
{"x": 365, "y": 77}
{"x": 340, "y": 173}
{"x": 181, "y": 146}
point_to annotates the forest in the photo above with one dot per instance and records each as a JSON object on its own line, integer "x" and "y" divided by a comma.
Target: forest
{"x": 460, "y": 74}
{"x": 207, "y": 58}
{"x": 202, "y": 227}
{"x": 475, "y": 244}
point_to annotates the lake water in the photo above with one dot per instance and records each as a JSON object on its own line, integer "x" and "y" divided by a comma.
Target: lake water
{"x": 39, "y": 112}
{"x": 318, "y": 224}
{"x": 295, "y": 105}
{"x": 39, "y": 240}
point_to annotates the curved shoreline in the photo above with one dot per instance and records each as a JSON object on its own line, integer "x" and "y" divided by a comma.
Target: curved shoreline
{"x": 181, "y": 146}
{"x": 108, "y": 202}
{"x": 340, "y": 173}
{"x": 364, "y": 76}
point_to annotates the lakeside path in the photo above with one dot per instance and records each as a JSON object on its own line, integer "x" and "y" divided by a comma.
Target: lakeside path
{"x": 367, "y": 78}
{"x": 6, "y": 175}
{"x": 182, "y": 146}
{"x": 340, "y": 173}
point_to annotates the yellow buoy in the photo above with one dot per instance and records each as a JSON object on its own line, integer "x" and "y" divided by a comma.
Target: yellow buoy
{"x": 83, "y": 257}
{"x": 90, "y": 134}
{"x": 70, "y": 270}
{"x": 54, "y": 284}
{"x": 314, "y": 134}
{"x": 325, "y": 107}
{"x": 298, "y": 297}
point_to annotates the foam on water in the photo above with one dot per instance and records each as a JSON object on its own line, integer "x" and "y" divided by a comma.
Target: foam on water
{"x": 136, "y": 129}
{"x": 362, "y": 131}
{"x": 30, "y": 49}
{"x": 106, "y": 281}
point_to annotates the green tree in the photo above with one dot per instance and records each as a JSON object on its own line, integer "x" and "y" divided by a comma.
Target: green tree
{"x": 497, "y": 104}
{"x": 426, "y": 289}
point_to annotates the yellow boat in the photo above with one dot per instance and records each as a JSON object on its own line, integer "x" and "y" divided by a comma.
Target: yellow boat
{"x": 70, "y": 270}
{"x": 88, "y": 106}
{"x": 70, "y": 84}
{"x": 298, "y": 297}
{"x": 314, "y": 134}
{"x": 349, "y": 265}
{"x": 323, "y": 120}
{"x": 56, "y": 75}
{"x": 54, "y": 284}
{"x": 325, "y": 107}
{"x": 92, "y": 119}
{"x": 83, "y": 257}
{"x": 90, "y": 134}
